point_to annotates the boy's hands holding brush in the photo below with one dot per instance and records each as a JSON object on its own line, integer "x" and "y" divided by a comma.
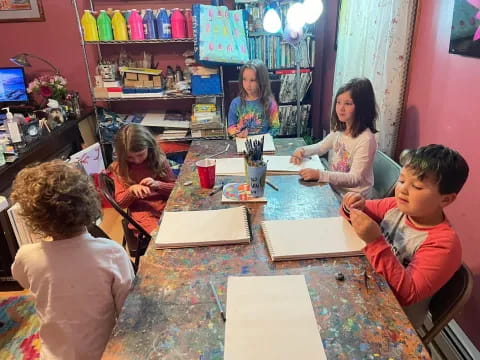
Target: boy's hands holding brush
{"x": 366, "y": 228}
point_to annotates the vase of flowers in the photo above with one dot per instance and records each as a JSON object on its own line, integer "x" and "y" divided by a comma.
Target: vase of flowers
{"x": 48, "y": 87}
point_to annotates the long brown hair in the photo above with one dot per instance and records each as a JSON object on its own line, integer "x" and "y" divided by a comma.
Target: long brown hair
{"x": 263, "y": 82}
{"x": 363, "y": 96}
{"x": 135, "y": 138}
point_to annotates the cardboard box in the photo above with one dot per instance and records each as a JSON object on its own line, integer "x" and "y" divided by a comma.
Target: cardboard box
{"x": 129, "y": 83}
{"x": 143, "y": 77}
{"x": 148, "y": 84}
{"x": 100, "y": 93}
{"x": 131, "y": 76}
{"x": 157, "y": 81}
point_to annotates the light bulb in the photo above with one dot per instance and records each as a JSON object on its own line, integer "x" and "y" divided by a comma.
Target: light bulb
{"x": 296, "y": 16}
{"x": 271, "y": 21}
{"x": 312, "y": 10}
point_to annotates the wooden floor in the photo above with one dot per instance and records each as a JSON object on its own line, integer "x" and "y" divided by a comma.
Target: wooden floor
{"x": 111, "y": 224}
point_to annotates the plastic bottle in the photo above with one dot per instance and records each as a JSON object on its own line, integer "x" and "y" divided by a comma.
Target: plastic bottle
{"x": 89, "y": 26}
{"x": 170, "y": 78}
{"x": 189, "y": 22}
{"x": 104, "y": 24}
{"x": 13, "y": 129}
{"x": 119, "y": 26}
{"x": 178, "y": 74}
{"x": 149, "y": 25}
{"x": 163, "y": 25}
{"x": 135, "y": 24}
{"x": 178, "y": 24}
{"x": 2, "y": 157}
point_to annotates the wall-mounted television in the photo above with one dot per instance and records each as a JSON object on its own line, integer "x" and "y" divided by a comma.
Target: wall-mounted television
{"x": 13, "y": 90}
{"x": 465, "y": 33}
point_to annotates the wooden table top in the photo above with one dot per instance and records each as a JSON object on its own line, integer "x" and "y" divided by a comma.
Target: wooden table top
{"x": 171, "y": 312}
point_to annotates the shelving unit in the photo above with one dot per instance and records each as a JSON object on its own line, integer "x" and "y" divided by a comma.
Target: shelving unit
{"x": 95, "y": 50}
{"x": 280, "y": 56}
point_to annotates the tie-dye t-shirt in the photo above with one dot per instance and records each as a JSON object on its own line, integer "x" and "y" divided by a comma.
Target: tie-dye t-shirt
{"x": 251, "y": 116}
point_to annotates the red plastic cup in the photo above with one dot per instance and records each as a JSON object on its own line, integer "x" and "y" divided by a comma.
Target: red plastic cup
{"x": 206, "y": 173}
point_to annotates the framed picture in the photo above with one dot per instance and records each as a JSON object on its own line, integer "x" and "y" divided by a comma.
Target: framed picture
{"x": 465, "y": 33}
{"x": 21, "y": 10}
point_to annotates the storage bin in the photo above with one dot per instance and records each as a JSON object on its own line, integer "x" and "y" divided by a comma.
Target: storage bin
{"x": 206, "y": 85}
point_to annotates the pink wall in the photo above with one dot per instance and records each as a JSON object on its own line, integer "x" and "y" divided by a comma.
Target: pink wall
{"x": 57, "y": 40}
{"x": 443, "y": 106}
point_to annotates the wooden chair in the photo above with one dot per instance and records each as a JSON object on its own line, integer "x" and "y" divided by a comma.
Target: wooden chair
{"x": 137, "y": 241}
{"x": 385, "y": 175}
{"x": 448, "y": 301}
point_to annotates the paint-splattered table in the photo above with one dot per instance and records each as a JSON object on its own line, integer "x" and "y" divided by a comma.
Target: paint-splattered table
{"x": 171, "y": 312}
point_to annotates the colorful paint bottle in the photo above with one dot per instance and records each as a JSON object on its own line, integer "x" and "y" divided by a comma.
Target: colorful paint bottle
{"x": 178, "y": 24}
{"x": 135, "y": 23}
{"x": 89, "y": 26}
{"x": 163, "y": 25}
{"x": 104, "y": 24}
{"x": 189, "y": 22}
{"x": 119, "y": 25}
{"x": 149, "y": 23}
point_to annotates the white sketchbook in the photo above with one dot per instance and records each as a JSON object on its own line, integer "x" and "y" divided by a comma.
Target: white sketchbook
{"x": 282, "y": 164}
{"x": 311, "y": 238}
{"x": 22, "y": 233}
{"x": 203, "y": 228}
{"x": 271, "y": 318}
{"x": 276, "y": 165}
{"x": 268, "y": 145}
{"x": 158, "y": 119}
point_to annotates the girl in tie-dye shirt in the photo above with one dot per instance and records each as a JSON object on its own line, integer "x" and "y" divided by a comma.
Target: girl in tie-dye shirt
{"x": 255, "y": 110}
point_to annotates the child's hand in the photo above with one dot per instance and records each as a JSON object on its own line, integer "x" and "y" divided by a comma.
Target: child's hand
{"x": 353, "y": 200}
{"x": 149, "y": 182}
{"x": 367, "y": 229}
{"x": 140, "y": 191}
{"x": 310, "y": 174}
{"x": 297, "y": 156}
{"x": 242, "y": 134}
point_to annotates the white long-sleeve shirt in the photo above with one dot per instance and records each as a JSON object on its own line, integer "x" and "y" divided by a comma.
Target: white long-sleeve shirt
{"x": 80, "y": 285}
{"x": 350, "y": 159}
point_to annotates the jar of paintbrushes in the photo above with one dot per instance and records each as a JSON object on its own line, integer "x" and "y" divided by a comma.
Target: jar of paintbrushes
{"x": 255, "y": 167}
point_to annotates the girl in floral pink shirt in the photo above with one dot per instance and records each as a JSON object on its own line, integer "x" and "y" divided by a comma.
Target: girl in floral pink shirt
{"x": 351, "y": 144}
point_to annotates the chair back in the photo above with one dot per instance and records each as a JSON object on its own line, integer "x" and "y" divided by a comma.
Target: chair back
{"x": 448, "y": 301}
{"x": 97, "y": 232}
{"x": 137, "y": 243}
{"x": 385, "y": 175}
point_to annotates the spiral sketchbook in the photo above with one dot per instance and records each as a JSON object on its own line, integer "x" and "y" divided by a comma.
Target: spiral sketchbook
{"x": 271, "y": 318}
{"x": 311, "y": 238}
{"x": 268, "y": 145}
{"x": 276, "y": 165}
{"x": 203, "y": 228}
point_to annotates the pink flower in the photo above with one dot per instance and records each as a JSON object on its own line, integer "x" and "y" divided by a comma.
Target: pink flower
{"x": 46, "y": 91}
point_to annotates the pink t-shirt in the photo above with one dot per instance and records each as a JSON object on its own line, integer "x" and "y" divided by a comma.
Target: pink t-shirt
{"x": 80, "y": 285}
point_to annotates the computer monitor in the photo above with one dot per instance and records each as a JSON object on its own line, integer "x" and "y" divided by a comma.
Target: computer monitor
{"x": 13, "y": 89}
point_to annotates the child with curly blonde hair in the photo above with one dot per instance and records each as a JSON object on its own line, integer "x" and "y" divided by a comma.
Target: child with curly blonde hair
{"x": 79, "y": 282}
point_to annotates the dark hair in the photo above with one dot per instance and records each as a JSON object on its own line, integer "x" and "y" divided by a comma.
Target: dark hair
{"x": 135, "y": 138}
{"x": 56, "y": 198}
{"x": 263, "y": 82}
{"x": 448, "y": 166}
{"x": 363, "y": 96}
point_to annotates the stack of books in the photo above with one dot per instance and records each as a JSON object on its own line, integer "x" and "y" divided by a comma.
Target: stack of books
{"x": 206, "y": 121}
